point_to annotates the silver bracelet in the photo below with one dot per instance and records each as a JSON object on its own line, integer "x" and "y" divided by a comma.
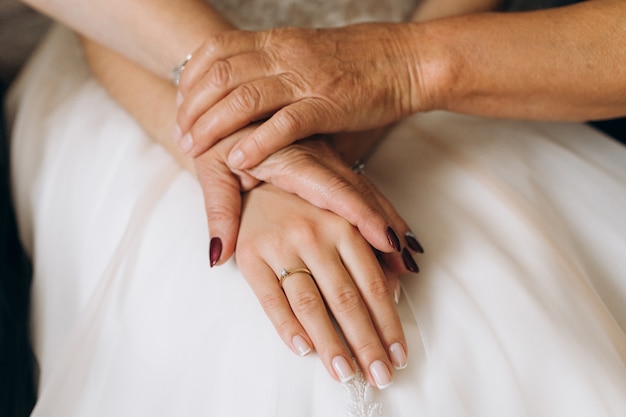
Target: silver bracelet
{"x": 179, "y": 69}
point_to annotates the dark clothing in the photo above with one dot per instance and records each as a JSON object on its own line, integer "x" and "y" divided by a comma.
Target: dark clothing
{"x": 20, "y": 30}
{"x": 525, "y": 5}
{"x": 17, "y": 388}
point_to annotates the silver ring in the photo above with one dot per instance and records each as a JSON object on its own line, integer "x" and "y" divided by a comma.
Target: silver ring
{"x": 284, "y": 273}
{"x": 358, "y": 167}
{"x": 179, "y": 69}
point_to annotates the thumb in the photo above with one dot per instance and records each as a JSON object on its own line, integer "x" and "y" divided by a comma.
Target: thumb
{"x": 222, "y": 201}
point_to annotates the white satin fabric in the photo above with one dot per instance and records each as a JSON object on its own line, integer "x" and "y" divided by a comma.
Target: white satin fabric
{"x": 518, "y": 310}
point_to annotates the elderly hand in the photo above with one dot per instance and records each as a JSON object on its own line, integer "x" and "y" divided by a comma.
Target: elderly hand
{"x": 316, "y": 173}
{"x": 306, "y": 81}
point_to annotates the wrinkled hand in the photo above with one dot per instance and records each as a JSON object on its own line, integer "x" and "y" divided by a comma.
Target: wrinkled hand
{"x": 312, "y": 170}
{"x": 280, "y": 230}
{"x": 304, "y": 81}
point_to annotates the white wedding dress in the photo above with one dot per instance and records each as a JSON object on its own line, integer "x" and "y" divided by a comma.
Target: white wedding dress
{"x": 519, "y": 310}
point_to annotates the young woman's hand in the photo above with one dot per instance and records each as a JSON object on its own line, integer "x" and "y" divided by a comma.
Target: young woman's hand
{"x": 314, "y": 171}
{"x": 346, "y": 283}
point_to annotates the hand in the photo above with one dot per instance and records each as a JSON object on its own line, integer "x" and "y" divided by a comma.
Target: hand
{"x": 306, "y": 81}
{"x": 312, "y": 170}
{"x": 280, "y": 230}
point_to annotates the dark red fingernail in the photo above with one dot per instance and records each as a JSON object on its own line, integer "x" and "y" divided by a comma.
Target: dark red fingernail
{"x": 409, "y": 262}
{"x": 215, "y": 250}
{"x": 413, "y": 243}
{"x": 392, "y": 237}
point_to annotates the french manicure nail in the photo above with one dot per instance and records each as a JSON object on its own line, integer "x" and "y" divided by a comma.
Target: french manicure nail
{"x": 409, "y": 262}
{"x": 342, "y": 368}
{"x": 396, "y": 293}
{"x": 392, "y": 237}
{"x": 186, "y": 143}
{"x": 413, "y": 243}
{"x": 215, "y": 250}
{"x": 301, "y": 346}
{"x": 179, "y": 98}
{"x": 398, "y": 356}
{"x": 381, "y": 374}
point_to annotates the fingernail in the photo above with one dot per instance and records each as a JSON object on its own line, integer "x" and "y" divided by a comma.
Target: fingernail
{"x": 179, "y": 99}
{"x": 235, "y": 159}
{"x": 413, "y": 243}
{"x": 301, "y": 346}
{"x": 398, "y": 356}
{"x": 409, "y": 262}
{"x": 392, "y": 237}
{"x": 186, "y": 143}
{"x": 342, "y": 368}
{"x": 215, "y": 250}
{"x": 396, "y": 293}
{"x": 176, "y": 133}
{"x": 381, "y": 374}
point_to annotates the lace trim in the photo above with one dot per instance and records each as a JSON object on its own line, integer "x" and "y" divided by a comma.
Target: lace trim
{"x": 361, "y": 398}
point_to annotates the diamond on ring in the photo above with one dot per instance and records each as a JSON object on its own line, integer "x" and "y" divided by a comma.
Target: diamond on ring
{"x": 358, "y": 167}
{"x": 284, "y": 273}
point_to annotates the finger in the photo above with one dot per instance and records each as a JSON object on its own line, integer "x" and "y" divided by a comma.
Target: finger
{"x": 306, "y": 177}
{"x": 378, "y": 296}
{"x": 220, "y": 79}
{"x": 308, "y": 306}
{"x": 264, "y": 283}
{"x": 393, "y": 278}
{"x": 215, "y": 48}
{"x": 403, "y": 261}
{"x": 222, "y": 200}
{"x": 292, "y": 122}
{"x": 247, "y": 103}
{"x": 350, "y": 311}
{"x": 410, "y": 240}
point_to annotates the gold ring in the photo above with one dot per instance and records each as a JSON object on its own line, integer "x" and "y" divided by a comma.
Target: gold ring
{"x": 284, "y": 273}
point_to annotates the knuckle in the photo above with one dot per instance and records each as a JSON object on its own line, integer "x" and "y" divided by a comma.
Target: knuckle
{"x": 213, "y": 44}
{"x": 271, "y": 302}
{"x": 305, "y": 303}
{"x": 347, "y": 301}
{"x": 378, "y": 289}
{"x": 303, "y": 232}
{"x": 220, "y": 73}
{"x": 246, "y": 98}
{"x": 337, "y": 188}
{"x": 289, "y": 122}
{"x": 366, "y": 348}
{"x": 219, "y": 212}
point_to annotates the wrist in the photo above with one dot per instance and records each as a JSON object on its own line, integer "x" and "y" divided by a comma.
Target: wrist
{"x": 189, "y": 26}
{"x": 438, "y": 76}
